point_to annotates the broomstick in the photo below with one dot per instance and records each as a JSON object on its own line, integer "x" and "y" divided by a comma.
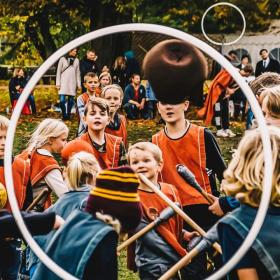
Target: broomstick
{"x": 189, "y": 177}
{"x": 177, "y": 209}
{"x": 206, "y": 242}
{"x": 164, "y": 216}
{"x": 43, "y": 193}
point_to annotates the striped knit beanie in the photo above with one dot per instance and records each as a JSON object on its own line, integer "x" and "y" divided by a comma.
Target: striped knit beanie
{"x": 116, "y": 194}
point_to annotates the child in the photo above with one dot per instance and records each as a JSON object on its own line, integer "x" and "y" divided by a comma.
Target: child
{"x": 158, "y": 250}
{"x": 11, "y": 249}
{"x": 117, "y": 126}
{"x": 81, "y": 172}
{"x": 108, "y": 149}
{"x": 105, "y": 79}
{"x": 20, "y": 170}
{"x": 270, "y": 102}
{"x": 48, "y": 138}
{"x": 91, "y": 83}
{"x": 184, "y": 143}
{"x": 112, "y": 206}
{"x": 244, "y": 179}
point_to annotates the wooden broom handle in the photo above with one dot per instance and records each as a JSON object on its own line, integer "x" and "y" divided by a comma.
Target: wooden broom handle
{"x": 177, "y": 209}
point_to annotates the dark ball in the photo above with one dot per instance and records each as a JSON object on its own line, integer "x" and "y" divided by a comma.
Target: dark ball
{"x": 176, "y": 71}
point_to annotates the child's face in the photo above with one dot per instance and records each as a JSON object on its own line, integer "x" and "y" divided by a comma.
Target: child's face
{"x": 145, "y": 163}
{"x": 104, "y": 81}
{"x": 3, "y": 133}
{"x": 96, "y": 119}
{"x": 172, "y": 113}
{"x": 58, "y": 143}
{"x": 113, "y": 98}
{"x": 91, "y": 84}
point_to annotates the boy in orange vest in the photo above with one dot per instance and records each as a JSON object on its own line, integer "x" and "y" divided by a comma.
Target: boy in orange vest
{"x": 117, "y": 126}
{"x": 91, "y": 83}
{"x": 161, "y": 248}
{"x": 108, "y": 149}
{"x": 176, "y": 71}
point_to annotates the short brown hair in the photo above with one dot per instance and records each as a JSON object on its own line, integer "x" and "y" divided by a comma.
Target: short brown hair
{"x": 147, "y": 146}
{"x": 99, "y": 102}
{"x": 89, "y": 75}
{"x": 266, "y": 80}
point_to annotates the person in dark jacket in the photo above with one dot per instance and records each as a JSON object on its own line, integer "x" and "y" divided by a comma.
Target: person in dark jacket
{"x": 132, "y": 65}
{"x": 88, "y": 64}
{"x": 134, "y": 98}
{"x": 267, "y": 64}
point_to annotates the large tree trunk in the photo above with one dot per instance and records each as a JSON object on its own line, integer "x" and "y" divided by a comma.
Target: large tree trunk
{"x": 109, "y": 47}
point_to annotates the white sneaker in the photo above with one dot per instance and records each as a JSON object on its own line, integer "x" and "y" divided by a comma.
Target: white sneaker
{"x": 221, "y": 133}
{"x": 230, "y": 133}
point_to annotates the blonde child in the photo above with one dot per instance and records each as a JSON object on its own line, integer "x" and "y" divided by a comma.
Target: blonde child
{"x": 270, "y": 102}
{"x": 86, "y": 245}
{"x": 105, "y": 79}
{"x": 91, "y": 83}
{"x": 158, "y": 250}
{"x": 117, "y": 126}
{"x": 244, "y": 179}
{"x": 81, "y": 172}
{"x": 49, "y": 138}
{"x": 109, "y": 150}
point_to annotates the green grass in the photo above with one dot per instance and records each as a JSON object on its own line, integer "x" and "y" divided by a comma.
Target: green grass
{"x": 137, "y": 131}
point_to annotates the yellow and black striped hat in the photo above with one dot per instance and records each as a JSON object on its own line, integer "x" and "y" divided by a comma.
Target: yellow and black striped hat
{"x": 116, "y": 194}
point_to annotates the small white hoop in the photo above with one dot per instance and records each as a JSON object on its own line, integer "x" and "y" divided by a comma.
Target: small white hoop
{"x": 228, "y": 43}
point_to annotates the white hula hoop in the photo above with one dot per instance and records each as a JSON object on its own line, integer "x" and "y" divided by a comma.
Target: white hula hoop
{"x": 155, "y": 29}
{"x": 218, "y": 43}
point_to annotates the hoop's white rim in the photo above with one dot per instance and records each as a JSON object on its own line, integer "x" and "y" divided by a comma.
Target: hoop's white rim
{"x": 228, "y": 43}
{"x": 143, "y": 28}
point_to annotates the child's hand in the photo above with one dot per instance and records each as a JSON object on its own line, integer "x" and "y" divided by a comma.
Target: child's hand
{"x": 215, "y": 207}
{"x": 58, "y": 222}
{"x": 187, "y": 236}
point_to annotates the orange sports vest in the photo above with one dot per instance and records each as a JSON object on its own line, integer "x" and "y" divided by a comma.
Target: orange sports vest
{"x": 121, "y": 132}
{"x": 190, "y": 151}
{"x": 21, "y": 173}
{"x": 41, "y": 165}
{"x": 85, "y": 95}
{"x": 170, "y": 231}
{"x": 111, "y": 157}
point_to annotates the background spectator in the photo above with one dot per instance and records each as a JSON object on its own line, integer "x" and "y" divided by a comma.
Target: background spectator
{"x": 132, "y": 65}
{"x": 134, "y": 98}
{"x": 88, "y": 64}
{"x": 68, "y": 79}
{"x": 267, "y": 64}
{"x": 119, "y": 72}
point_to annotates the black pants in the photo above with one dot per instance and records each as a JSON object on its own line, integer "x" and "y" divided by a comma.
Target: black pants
{"x": 221, "y": 113}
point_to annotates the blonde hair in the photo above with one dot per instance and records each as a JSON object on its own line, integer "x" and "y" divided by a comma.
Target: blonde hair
{"x": 46, "y": 129}
{"x": 113, "y": 86}
{"x": 147, "y": 146}
{"x": 245, "y": 173}
{"x": 104, "y": 74}
{"x": 116, "y": 63}
{"x": 109, "y": 220}
{"x": 81, "y": 168}
{"x": 270, "y": 99}
{"x": 4, "y": 123}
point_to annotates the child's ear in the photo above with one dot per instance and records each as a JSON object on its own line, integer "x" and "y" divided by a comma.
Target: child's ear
{"x": 160, "y": 165}
{"x": 187, "y": 104}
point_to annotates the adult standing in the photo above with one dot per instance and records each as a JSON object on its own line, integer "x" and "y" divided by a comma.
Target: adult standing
{"x": 132, "y": 65}
{"x": 267, "y": 64}
{"x": 88, "y": 64}
{"x": 16, "y": 86}
{"x": 119, "y": 72}
{"x": 68, "y": 79}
